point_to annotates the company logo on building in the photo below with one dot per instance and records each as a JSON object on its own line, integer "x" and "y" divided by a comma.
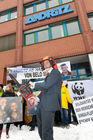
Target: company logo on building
{"x": 48, "y": 14}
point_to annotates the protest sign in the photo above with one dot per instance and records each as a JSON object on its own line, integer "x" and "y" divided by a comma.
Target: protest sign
{"x": 84, "y": 110}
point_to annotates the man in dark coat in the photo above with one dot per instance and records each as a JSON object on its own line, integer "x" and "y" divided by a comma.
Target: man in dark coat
{"x": 50, "y": 99}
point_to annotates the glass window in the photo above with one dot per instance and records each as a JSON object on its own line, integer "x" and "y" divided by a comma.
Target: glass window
{"x": 43, "y": 35}
{"x": 73, "y": 27}
{"x": 29, "y": 39}
{"x": 29, "y": 10}
{"x": 41, "y": 6}
{"x": 91, "y": 22}
{"x": 82, "y": 71}
{"x": 73, "y": 72}
{"x": 13, "y": 15}
{"x": 57, "y": 31}
{"x": 7, "y": 42}
{"x": 11, "y": 41}
{"x": 53, "y": 3}
{"x": 3, "y": 17}
{"x": 66, "y": 1}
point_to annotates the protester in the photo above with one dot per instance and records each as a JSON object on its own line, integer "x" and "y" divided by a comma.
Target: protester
{"x": 71, "y": 113}
{"x": 50, "y": 98}
{"x": 65, "y": 99}
{"x": 8, "y": 93}
{"x": 32, "y": 124}
{"x": 1, "y": 89}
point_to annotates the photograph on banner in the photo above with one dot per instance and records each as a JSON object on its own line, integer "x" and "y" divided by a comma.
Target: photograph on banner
{"x": 10, "y": 109}
{"x": 31, "y": 110}
{"x": 80, "y": 89}
{"x": 84, "y": 110}
{"x": 64, "y": 68}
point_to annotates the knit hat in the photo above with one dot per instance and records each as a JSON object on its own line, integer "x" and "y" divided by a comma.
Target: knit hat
{"x": 1, "y": 85}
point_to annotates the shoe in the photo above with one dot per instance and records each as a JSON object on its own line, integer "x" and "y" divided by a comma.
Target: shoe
{"x": 7, "y": 132}
{"x": 31, "y": 129}
{"x": 74, "y": 123}
{"x": 68, "y": 126}
{"x": 7, "y": 136}
{"x": 62, "y": 126}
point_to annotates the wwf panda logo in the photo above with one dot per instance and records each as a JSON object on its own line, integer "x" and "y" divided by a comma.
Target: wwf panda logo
{"x": 78, "y": 88}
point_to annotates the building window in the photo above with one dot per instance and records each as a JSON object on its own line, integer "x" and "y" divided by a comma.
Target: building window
{"x": 3, "y": 17}
{"x": 80, "y": 70}
{"x": 29, "y": 39}
{"x": 8, "y": 42}
{"x": 52, "y": 31}
{"x": 43, "y": 35}
{"x": 72, "y": 27}
{"x": 42, "y": 5}
{"x": 66, "y": 1}
{"x": 29, "y": 10}
{"x": 53, "y": 3}
{"x": 8, "y": 15}
{"x": 13, "y": 15}
{"x": 57, "y": 31}
{"x": 90, "y": 18}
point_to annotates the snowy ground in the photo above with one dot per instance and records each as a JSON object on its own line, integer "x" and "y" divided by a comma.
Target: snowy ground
{"x": 79, "y": 132}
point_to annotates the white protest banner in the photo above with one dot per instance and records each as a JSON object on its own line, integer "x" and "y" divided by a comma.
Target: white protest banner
{"x": 84, "y": 110}
{"x": 27, "y": 73}
{"x": 80, "y": 89}
{"x": 31, "y": 75}
{"x": 34, "y": 73}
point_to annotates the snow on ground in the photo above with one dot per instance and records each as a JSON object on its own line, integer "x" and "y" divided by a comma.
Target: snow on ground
{"x": 75, "y": 132}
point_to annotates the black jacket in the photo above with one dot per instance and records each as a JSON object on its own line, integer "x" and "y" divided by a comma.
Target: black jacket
{"x": 8, "y": 94}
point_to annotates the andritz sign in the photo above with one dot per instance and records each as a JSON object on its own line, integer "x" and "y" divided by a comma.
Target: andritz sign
{"x": 48, "y": 14}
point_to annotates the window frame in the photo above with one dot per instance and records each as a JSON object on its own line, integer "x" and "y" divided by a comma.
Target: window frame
{"x": 6, "y": 47}
{"x": 90, "y": 15}
{"x": 50, "y": 31}
{"x": 46, "y": 4}
{"x": 9, "y": 14}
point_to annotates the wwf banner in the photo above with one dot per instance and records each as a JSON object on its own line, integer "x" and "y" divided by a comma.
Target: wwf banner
{"x": 84, "y": 110}
{"x": 80, "y": 89}
{"x": 10, "y": 109}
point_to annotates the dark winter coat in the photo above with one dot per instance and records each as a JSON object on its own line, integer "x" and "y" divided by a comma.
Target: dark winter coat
{"x": 8, "y": 94}
{"x": 51, "y": 91}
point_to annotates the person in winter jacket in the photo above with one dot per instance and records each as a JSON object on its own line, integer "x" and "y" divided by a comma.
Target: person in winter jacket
{"x": 8, "y": 93}
{"x": 1, "y": 90}
{"x": 65, "y": 99}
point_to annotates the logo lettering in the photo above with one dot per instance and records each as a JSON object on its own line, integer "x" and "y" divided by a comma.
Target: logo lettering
{"x": 48, "y": 14}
